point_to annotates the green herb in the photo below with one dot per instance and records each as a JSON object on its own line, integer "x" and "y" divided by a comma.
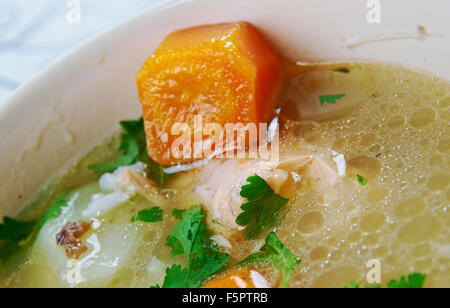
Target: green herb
{"x": 262, "y": 212}
{"x": 13, "y": 235}
{"x": 190, "y": 237}
{"x": 330, "y": 99}
{"x": 352, "y": 285}
{"x": 178, "y": 214}
{"x": 133, "y": 149}
{"x": 274, "y": 252}
{"x": 155, "y": 214}
{"x": 355, "y": 285}
{"x": 362, "y": 180}
{"x": 413, "y": 281}
{"x": 54, "y": 210}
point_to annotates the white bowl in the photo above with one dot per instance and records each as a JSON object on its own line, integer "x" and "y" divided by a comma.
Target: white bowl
{"x": 72, "y": 105}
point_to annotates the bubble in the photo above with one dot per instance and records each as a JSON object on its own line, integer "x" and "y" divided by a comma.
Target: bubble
{"x": 337, "y": 278}
{"x": 311, "y": 222}
{"x": 422, "y": 250}
{"x": 396, "y": 122}
{"x": 376, "y": 194}
{"x": 445, "y": 102}
{"x": 368, "y": 139}
{"x": 439, "y": 181}
{"x": 410, "y": 208}
{"x": 366, "y": 166}
{"x": 420, "y": 229}
{"x": 422, "y": 117}
{"x": 436, "y": 160}
{"x": 319, "y": 253}
{"x": 372, "y": 222}
{"x": 444, "y": 145}
{"x": 371, "y": 239}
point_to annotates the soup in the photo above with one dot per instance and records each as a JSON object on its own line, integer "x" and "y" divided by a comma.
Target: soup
{"x": 364, "y": 170}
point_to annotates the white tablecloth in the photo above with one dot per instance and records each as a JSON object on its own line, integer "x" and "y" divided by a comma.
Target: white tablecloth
{"x": 33, "y": 33}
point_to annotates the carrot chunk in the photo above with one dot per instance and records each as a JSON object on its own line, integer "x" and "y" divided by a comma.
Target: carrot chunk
{"x": 225, "y": 73}
{"x": 237, "y": 280}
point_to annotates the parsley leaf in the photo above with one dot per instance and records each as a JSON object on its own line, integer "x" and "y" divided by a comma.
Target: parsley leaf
{"x": 262, "y": 212}
{"x": 352, "y": 285}
{"x": 361, "y": 180}
{"x": 274, "y": 252}
{"x": 413, "y": 281}
{"x": 54, "y": 210}
{"x": 355, "y": 285}
{"x": 178, "y": 213}
{"x": 330, "y": 99}
{"x": 15, "y": 230}
{"x": 12, "y": 235}
{"x": 185, "y": 232}
{"x": 190, "y": 237}
{"x": 155, "y": 214}
{"x": 133, "y": 148}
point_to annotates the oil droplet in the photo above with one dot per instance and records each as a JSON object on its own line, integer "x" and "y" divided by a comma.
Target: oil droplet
{"x": 372, "y": 222}
{"x": 422, "y": 117}
{"x": 422, "y": 250}
{"x": 409, "y": 208}
{"x": 376, "y": 194}
{"x": 319, "y": 253}
{"x": 436, "y": 160}
{"x": 444, "y": 145}
{"x": 396, "y": 122}
{"x": 420, "y": 229}
{"x": 368, "y": 167}
{"x": 337, "y": 278}
{"x": 310, "y": 222}
{"x": 439, "y": 181}
{"x": 368, "y": 140}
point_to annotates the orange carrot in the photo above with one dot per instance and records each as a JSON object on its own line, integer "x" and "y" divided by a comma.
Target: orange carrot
{"x": 225, "y": 73}
{"x": 237, "y": 280}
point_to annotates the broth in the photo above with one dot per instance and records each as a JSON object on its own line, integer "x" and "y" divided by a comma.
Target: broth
{"x": 394, "y": 132}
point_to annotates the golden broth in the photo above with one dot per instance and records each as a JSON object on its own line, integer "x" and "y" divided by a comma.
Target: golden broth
{"x": 397, "y": 137}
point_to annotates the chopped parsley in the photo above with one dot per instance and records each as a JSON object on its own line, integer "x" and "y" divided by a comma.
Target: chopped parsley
{"x": 155, "y": 214}
{"x": 413, "y": 281}
{"x": 330, "y": 99}
{"x": 190, "y": 237}
{"x": 54, "y": 210}
{"x": 178, "y": 213}
{"x": 262, "y": 212}
{"x": 274, "y": 252}
{"x": 13, "y": 235}
{"x": 361, "y": 180}
{"x": 133, "y": 148}
{"x": 355, "y": 285}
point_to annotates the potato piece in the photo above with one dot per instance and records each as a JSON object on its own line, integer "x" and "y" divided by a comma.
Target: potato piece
{"x": 226, "y": 73}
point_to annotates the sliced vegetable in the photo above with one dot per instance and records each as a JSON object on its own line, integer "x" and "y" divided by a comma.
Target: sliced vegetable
{"x": 262, "y": 212}
{"x": 275, "y": 253}
{"x": 226, "y": 73}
